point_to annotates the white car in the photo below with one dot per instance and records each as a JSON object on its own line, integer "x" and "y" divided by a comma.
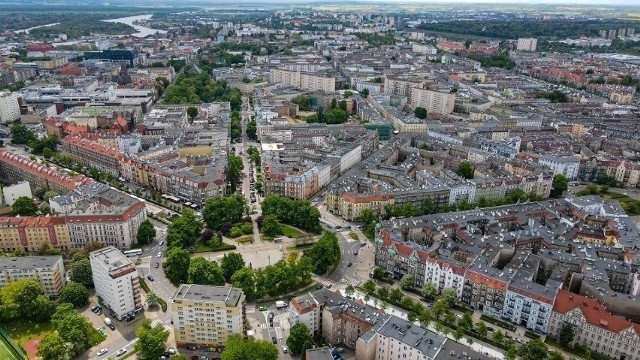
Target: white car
{"x": 159, "y": 255}
{"x": 121, "y": 352}
{"x": 102, "y": 352}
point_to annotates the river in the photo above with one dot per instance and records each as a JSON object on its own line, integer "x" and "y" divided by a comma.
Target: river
{"x": 35, "y": 27}
{"x": 142, "y": 31}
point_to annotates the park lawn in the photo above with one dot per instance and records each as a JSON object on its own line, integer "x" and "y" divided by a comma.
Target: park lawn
{"x": 244, "y": 239}
{"x": 202, "y": 247}
{"x": 290, "y": 231}
{"x": 23, "y": 331}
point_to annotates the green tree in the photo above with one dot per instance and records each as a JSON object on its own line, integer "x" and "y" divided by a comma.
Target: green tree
{"x": 383, "y": 293}
{"x": 559, "y": 185}
{"x": 24, "y": 206}
{"x": 420, "y": 112}
{"x": 324, "y": 253}
{"x": 369, "y": 287}
{"x": 21, "y": 135}
{"x": 481, "y": 329}
{"x": 466, "y": 321}
{"x": 395, "y": 295}
{"x": 511, "y": 352}
{"x": 554, "y": 355}
{"x": 535, "y": 349}
{"x": 299, "y": 213}
{"x": 407, "y": 282}
{"x": 429, "y": 291}
{"x": 245, "y": 280}
{"x": 565, "y": 337}
{"x": 75, "y": 293}
{"x": 270, "y": 226}
{"x": 151, "y": 340}
{"x": 177, "y": 265}
{"x": 24, "y": 299}
{"x": 459, "y": 333}
{"x": 449, "y": 296}
{"x": 349, "y": 290}
{"x": 185, "y": 230}
{"x": 299, "y": 338}
{"x": 238, "y": 348}
{"x": 53, "y": 347}
{"x": 205, "y": 272}
{"x": 367, "y": 216}
{"x": 146, "y": 233}
{"x": 498, "y": 336}
{"x": 152, "y": 299}
{"x": 81, "y": 271}
{"x": 72, "y": 327}
{"x": 364, "y": 93}
{"x": 466, "y": 170}
{"x": 251, "y": 130}
{"x": 234, "y": 169}
{"x": 218, "y": 210}
{"x": 192, "y": 111}
{"x": 231, "y": 263}
{"x": 438, "y": 309}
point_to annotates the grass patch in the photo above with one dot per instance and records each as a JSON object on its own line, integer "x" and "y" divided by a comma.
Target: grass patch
{"x": 531, "y": 335}
{"x": 244, "y": 239}
{"x": 202, "y": 247}
{"x": 290, "y": 231}
{"x": 300, "y": 247}
{"x": 354, "y": 236}
{"x": 95, "y": 337}
{"x": 578, "y": 351}
{"x": 497, "y": 322}
{"x": 145, "y": 287}
{"x": 23, "y": 331}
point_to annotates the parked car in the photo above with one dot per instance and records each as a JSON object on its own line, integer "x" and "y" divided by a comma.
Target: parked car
{"x": 121, "y": 352}
{"x": 274, "y": 340}
{"x": 157, "y": 265}
{"x": 150, "y": 277}
{"x": 96, "y": 308}
{"x": 102, "y": 352}
{"x": 262, "y": 308}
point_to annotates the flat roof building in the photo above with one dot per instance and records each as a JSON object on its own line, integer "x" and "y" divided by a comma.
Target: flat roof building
{"x": 116, "y": 281}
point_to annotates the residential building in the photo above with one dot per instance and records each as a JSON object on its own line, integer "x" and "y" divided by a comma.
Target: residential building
{"x": 31, "y": 233}
{"x": 527, "y": 44}
{"x": 116, "y": 281}
{"x": 93, "y": 154}
{"x": 48, "y": 270}
{"x": 302, "y": 80}
{"x": 594, "y": 327}
{"x": 15, "y": 168}
{"x": 438, "y": 102}
{"x": 9, "y": 107}
{"x": 399, "y": 339}
{"x": 13, "y": 192}
{"x": 205, "y": 316}
{"x": 559, "y": 164}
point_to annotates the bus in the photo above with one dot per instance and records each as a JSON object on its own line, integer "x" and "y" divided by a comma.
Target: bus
{"x": 132, "y": 253}
{"x": 171, "y": 198}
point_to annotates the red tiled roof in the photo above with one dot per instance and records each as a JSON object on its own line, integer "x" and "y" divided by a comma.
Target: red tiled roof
{"x": 594, "y": 313}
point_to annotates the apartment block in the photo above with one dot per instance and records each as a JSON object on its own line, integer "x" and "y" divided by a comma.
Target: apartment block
{"x": 48, "y": 270}
{"x": 30, "y": 233}
{"x": 301, "y": 80}
{"x": 339, "y": 320}
{"x": 565, "y": 165}
{"x": 15, "y": 168}
{"x": 93, "y": 154}
{"x": 527, "y": 44}
{"x": 594, "y": 327}
{"x": 116, "y": 282}
{"x": 398, "y": 339}
{"x": 205, "y": 316}
{"x": 9, "y": 107}
{"x": 434, "y": 101}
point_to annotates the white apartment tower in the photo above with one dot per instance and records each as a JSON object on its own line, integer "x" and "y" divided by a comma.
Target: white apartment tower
{"x": 527, "y": 44}
{"x": 116, "y": 281}
{"x": 9, "y": 107}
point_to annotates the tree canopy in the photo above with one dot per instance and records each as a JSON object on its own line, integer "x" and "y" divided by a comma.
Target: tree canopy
{"x": 238, "y": 348}
{"x": 325, "y": 253}
{"x": 24, "y": 206}
{"x": 559, "y": 185}
{"x": 299, "y": 339}
{"x": 205, "y": 272}
{"x": 420, "y": 112}
{"x": 146, "y": 233}
{"x": 151, "y": 340}
{"x": 466, "y": 170}
{"x": 193, "y": 88}
{"x": 231, "y": 263}
{"x": 299, "y": 213}
{"x": 184, "y": 230}
{"x": 81, "y": 270}
{"x": 74, "y": 328}
{"x": 24, "y": 299}
{"x": 177, "y": 265}
{"x": 75, "y": 294}
{"x": 228, "y": 209}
